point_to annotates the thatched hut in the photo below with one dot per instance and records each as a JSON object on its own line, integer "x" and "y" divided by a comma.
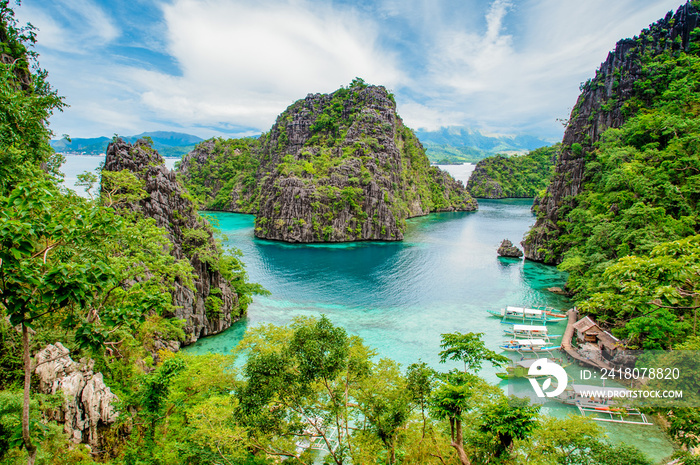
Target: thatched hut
{"x": 588, "y": 331}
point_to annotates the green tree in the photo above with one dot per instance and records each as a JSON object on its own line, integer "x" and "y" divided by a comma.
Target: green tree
{"x": 298, "y": 383}
{"x": 385, "y": 402}
{"x": 419, "y": 383}
{"x": 156, "y": 391}
{"x": 575, "y": 441}
{"x": 458, "y": 392}
{"x": 508, "y": 419}
{"x": 49, "y": 261}
{"x": 652, "y": 299}
{"x": 685, "y": 426}
{"x": 469, "y": 349}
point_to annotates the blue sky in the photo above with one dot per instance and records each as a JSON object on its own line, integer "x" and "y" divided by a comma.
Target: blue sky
{"x": 229, "y": 67}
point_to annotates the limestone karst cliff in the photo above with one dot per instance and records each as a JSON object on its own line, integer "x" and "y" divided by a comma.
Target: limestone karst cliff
{"x": 212, "y": 305}
{"x": 88, "y": 404}
{"x": 618, "y": 91}
{"x": 334, "y": 167}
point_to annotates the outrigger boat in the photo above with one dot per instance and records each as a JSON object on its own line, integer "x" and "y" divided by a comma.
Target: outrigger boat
{"x": 599, "y": 400}
{"x": 552, "y": 312}
{"x": 528, "y": 345}
{"x": 529, "y": 331}
{"x": 525, "y": 315}
{"x": 555, "y": 314}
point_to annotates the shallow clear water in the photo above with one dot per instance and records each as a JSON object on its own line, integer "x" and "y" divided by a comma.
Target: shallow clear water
{"x": 400, "y": 297}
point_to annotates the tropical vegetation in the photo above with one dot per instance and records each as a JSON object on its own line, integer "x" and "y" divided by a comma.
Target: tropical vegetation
{"x": 522, "y": 176}
{"x": 310, "y": 391}
{"x": 89, "y": 273}
{"x": 630, "y": 238}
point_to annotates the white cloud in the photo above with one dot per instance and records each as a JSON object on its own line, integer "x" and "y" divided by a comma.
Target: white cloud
{"x": 87, "y": 12}
{"x": 419, "y": 116}
{"x": 75, "y": 26}
{"x": 500, "y": 65}
{"x": 244, "y": 62}
{"x": 501, "y": 80}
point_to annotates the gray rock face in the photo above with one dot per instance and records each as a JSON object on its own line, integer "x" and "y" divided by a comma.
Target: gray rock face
{"x": 88, "y": 403}
{"x": 507, "y": 249}
{"x": 167, "y": 202}
{"x": 365, "y": 172}
{"x": 599, "y": 107}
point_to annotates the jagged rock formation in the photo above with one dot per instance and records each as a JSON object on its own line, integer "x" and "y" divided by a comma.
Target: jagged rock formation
{"x": 507, "y": 249}
{"x": 88, "y": 404}
{"x": 169, "y": 204}
{"x": 606, "y": 101}
{"x": 334, "y": 167}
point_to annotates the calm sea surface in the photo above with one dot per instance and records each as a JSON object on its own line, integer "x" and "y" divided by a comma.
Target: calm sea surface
{"x": 400, "y": 297}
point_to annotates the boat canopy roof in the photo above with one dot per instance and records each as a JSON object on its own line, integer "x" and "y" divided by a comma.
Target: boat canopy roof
{"x": 529, "y": 328}
{"x": 522, "y": 310}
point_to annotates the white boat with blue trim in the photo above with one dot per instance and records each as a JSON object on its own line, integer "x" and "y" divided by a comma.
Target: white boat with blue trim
{"x": 524, "y": 315}
{"x": 529, "y": 332}
{"x": 528, "y": 345}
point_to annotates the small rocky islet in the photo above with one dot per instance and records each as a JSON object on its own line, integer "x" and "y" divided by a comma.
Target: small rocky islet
{"x": 508, "y": 250}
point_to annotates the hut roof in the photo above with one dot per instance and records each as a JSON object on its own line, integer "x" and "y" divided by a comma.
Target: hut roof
{"x": 584, "y": 324}
{"x": 608, "y": 339}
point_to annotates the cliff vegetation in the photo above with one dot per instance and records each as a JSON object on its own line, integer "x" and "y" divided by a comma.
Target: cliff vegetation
{"x": 523, "y": 176}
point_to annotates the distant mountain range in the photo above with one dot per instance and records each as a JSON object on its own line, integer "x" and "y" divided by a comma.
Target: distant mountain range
{"x": 462, "y": 145}
{"x": 446, "y": 145}
{"x": 168, "y": 144}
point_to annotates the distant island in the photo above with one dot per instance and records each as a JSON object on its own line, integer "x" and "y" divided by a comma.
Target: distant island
{"x": 455, "y": 145}
{"x": 168, "y": 144}
{"x": 522, "y": 176}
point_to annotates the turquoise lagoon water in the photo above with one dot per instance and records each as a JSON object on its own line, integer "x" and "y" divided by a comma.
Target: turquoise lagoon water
{"x": 400, "y": 297}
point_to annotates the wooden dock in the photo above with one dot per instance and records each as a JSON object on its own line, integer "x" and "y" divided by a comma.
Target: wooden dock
{"x": 572, "y": 352}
